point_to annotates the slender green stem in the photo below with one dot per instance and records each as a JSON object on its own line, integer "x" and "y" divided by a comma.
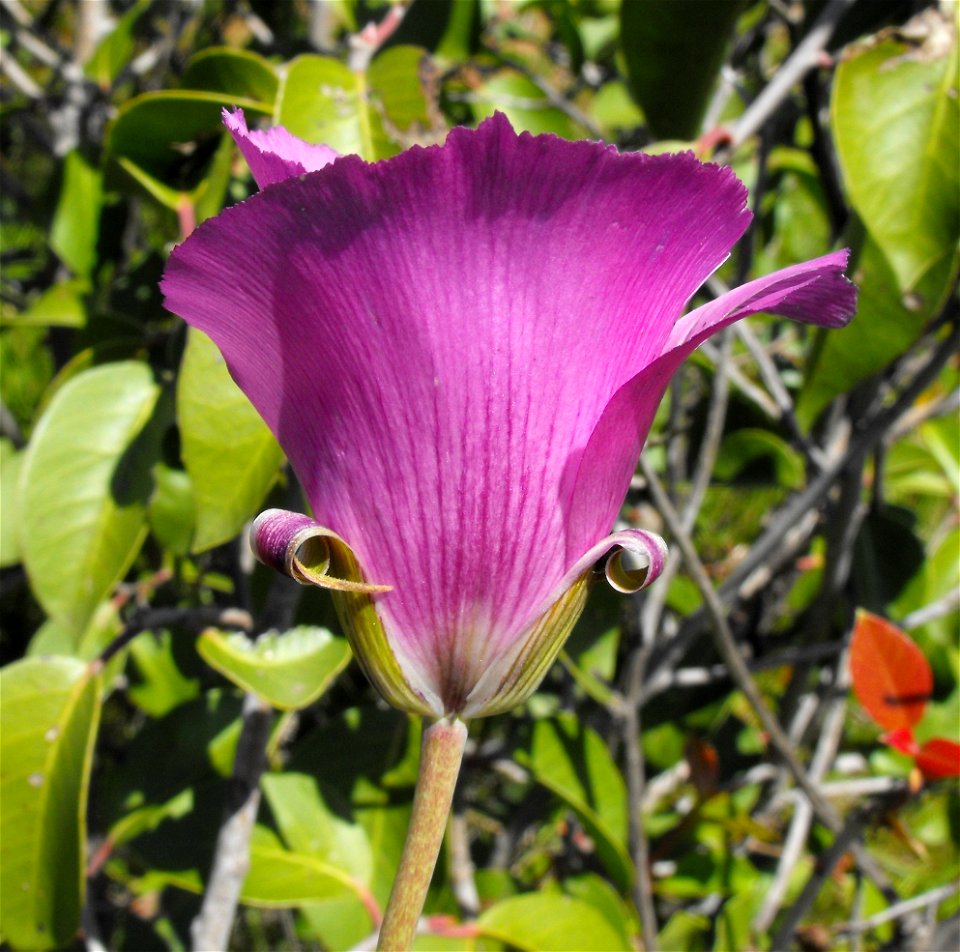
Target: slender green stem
{"x": 440, "y": 758}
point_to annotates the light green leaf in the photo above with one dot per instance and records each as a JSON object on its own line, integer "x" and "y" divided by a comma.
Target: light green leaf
{"x": 323, "y": 101}
{"x": 83, "y": 489}
{"x": 158, "y": 685}
{"x": 572, "y": 761}
{"x": 279, "y": 877}
{"x": 59, "y": 306}
{"x": 895, "y": 121}
{"x": 309, "y": 826}
{"x": 524, "y": 103}
{"x": 76, "y": 222}
{"x": 289, "y": 671}
{"x": 49, "y": 710}
{"x": 560, "y": 923}
{"x": 230, "y": 455}
{"x": 11, "y": 461}
{"x": 171, "y": 511}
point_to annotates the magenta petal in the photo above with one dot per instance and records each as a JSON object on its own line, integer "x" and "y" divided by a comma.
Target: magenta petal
{"x": 274, "y": 154}
{"x": 438, "y": 339}
{"x": 815, "y": 292}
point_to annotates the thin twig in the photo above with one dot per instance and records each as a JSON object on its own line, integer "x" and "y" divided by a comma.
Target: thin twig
{"x": 803, "y": 59}
{"x": 902, "y": 908}
{"x": 636, "y": 789}
{"x": 830, "y": 736}
{"x": 726, "y": 646}
{"x": 846, "y": 837}
{"x": 211, "y": 928}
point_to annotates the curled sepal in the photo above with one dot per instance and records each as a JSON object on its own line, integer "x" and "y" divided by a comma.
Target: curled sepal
{"x": 294, "y": 544}
{"x": 646, "y": 551}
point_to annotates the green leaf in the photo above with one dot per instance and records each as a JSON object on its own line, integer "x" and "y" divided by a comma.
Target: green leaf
{"x": 895, "y": 121}
{"x": 165, "y": 139}
{"x": 323, "y": 101}
{"x": 158, "y": 685}
{"x": 222, "y": 69}
{"x": 887, "y": 323}
{"x": 289, "y": 671}
{"x": 49, "y": 709}
{"x": 76, "y": 222}
{"x": 673, "y": 54}
{"x": 572, "y": 761}
{"x": 309, "y": 826}
{"x": 84, "y": 487}
{"x": 10, "y": 463}
{"x": 596, "y": 891}
{"x": 171, "y": 511}
{"x": 230, "y": 455}
{"x": 59, "y": 306}
{"x": 524, "y": 103}
{"x": 116, "y": 49}
{"x": 743, "y": 447}
{"x": 279, "y": 877}
{"x": 538, "y": 921}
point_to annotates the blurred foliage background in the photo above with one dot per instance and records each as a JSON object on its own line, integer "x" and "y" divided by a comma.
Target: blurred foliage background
{"x": 155, "y": 680}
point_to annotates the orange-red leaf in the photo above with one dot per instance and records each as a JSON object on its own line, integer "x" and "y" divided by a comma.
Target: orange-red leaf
{"x": 891, "y": 677}
{"x": 939, "y": 758}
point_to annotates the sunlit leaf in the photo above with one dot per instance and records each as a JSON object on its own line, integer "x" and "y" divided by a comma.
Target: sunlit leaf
{"x": 76, "y": 223}
{"x": 10, "y": 462}
{"x": 896, "y": 121}
{"x": 230, "y": 455}
{"x": 289, "y": 670}
{"x": 891, "y": 677}
{"x": 49, "y": 710}
{"x": 84, "y": 487}
{"x": 322, "y": 100}
{"x": 553, "y": 921}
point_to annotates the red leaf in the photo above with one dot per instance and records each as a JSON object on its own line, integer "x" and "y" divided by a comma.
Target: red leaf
{"x": 902, "y": 739}
{"x": 891, "y": 677}
{"x": 939, "y": 758}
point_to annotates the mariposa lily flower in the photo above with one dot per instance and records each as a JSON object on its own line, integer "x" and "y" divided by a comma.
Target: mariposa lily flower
{"x": 461, "y": 350}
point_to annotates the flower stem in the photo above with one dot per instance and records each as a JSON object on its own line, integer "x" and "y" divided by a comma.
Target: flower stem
{"x": 440, "y": 758}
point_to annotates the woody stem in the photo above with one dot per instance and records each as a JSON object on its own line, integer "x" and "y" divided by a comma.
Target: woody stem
{"x": 440, "y": 757}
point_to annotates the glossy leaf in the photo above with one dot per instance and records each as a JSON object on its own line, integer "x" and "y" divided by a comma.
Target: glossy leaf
{"x": 550, "y": 921}
{"x": 886, "y": 325}
{"x": 896, "y": 121}
{"x": 573, "y": 762}
{"x": 84, "y": 487}
{"x": 289, "y": 670}
{"x": 524, "y": 103}
{"x": 939, "y": 758}
{"x": 230, "y": 455}
{"x": 323, "y": 101}
{"x": 673, "y": 53}
{"x": 891, "y": 677}
{"x": 49, "y": 709}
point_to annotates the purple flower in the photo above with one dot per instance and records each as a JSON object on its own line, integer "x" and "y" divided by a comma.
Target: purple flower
{"x": 461, "y": 350}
